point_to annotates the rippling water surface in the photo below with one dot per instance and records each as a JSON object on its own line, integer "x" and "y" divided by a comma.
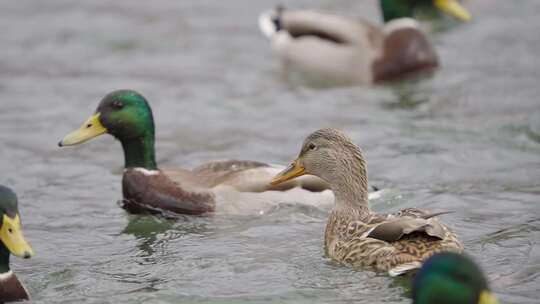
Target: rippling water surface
{"x": 466, "y": 139}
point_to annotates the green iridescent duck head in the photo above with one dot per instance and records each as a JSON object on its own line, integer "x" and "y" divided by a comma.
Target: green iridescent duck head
{"x": 450, "y": 278}
{"x": 11, "y": 237}
{"x": 393, "y": 9}
{"x": 126, "y": 115}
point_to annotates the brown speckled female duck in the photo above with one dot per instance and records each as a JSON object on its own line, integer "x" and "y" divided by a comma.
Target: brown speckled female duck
{"x": 225, "y": 186}
{"x": 11, "y": 242}
{"x": 355, "y": 235}
{"x": 330, "y": 49}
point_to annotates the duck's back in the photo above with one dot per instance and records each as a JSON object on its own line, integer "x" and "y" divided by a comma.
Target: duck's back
{"x": 327, "y": 47}
{"x": 249, "y": 176}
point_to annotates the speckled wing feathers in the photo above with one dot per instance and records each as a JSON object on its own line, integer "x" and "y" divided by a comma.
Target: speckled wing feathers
{"x": 243, "y": 176}
{"x": 227, "y": 166}
{"x": 394, "y": 242}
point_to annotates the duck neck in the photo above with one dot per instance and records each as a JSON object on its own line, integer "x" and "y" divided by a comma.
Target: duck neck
{"x": 139, "y": 152}
{"x": 394, "y": 9}
{"x": 350, "y": 185}
{"x": 4, "y": 259}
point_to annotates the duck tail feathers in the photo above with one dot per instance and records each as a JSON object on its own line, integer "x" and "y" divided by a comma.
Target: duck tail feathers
{"x": 270, "y": 21}
{"x": 430, "y": 215}
{"x": 404, "y": 268}
{"x": 266, "y": 23}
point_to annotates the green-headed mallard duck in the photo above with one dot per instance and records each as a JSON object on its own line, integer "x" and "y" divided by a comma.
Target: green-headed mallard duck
{"x": 355, "y": 235}
{"x": 335, "y": 49}
{"x": 11, "y": 242}
{"x": 450, "y": 278}
{"x": 216, "y": 186}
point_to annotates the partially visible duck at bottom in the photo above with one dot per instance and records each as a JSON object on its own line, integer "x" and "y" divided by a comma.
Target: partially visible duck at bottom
{"x": 396, "y": 243}
{"x": 325, "y": 48}
{"x": 11, "y": 242}
{"x": 450, "y": 278}
{"x": 233, "y": 187}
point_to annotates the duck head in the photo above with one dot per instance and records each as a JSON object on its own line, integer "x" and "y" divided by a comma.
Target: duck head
{"x": 332, "y": 156}
{"x": 451, "y": 278}
{"x": 393, "y": 9}
{"x": 126, "y": 115}
{"x": 11, "y": 237}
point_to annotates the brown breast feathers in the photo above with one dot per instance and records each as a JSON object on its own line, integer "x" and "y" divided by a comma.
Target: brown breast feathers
{"x": 405, "y": 51}
{"x": 11, "y": 289}
{"x": 153, "y": 192}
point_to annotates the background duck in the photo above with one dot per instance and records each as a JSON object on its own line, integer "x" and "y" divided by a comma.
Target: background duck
{"x": 224, "y": 186}
{"x": 355, "y": 235}
{"x": 11, "y": 242}
{"x": 330, "y": 49}
{"x": 450, "y": 278}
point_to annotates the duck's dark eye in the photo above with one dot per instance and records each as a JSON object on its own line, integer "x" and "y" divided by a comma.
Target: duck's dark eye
{"x": 117, "y": 104}
{"x": 312, "y": 146}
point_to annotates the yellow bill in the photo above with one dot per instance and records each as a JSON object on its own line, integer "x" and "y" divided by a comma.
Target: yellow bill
{"x": 292, "y": 171}
{"x": 90, "y": 129}
{"x": 454, "y": 8}
{"x": 486, "y": 297}
{"x": 12, "y": 237}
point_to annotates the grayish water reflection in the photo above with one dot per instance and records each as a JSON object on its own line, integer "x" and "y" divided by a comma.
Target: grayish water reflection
{"x": 467, "y": 139}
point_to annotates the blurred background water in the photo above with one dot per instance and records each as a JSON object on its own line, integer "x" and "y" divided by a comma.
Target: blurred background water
{"x": 466, "y": 139}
